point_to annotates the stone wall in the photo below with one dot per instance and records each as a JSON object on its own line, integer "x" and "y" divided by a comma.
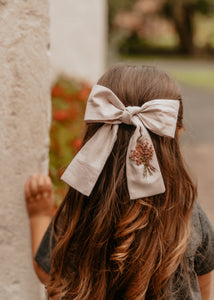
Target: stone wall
{"x": 78, "y": 37}
{"x": 24, "y": 135}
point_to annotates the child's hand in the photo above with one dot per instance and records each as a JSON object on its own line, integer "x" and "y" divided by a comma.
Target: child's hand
{"x": 39, "y": 195}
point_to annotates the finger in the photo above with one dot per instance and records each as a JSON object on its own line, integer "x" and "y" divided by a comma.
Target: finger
{"x": 48, "y": 183}
{"x": 33, "y": 185}
{"x": 45, "y": 184}
{"x": 41, "y": 182}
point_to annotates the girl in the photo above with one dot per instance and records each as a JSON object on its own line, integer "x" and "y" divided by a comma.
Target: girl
{"x": 129, "y": 227}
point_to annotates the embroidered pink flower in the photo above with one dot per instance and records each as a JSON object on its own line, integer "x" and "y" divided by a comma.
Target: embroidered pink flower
{"x": 143, "y": 154}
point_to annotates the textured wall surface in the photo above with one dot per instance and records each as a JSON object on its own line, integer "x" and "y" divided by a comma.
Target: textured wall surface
{"x": 78, "y": 37}
{"x": 24, "y": 126}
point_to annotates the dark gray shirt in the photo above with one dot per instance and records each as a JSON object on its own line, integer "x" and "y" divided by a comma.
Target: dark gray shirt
{"x": 199, "y": 256}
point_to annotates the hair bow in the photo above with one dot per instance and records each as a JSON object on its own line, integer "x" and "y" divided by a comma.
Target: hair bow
{"x": 143, "y": 173}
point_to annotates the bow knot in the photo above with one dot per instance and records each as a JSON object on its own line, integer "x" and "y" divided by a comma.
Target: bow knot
{"x": 128, "y": 114}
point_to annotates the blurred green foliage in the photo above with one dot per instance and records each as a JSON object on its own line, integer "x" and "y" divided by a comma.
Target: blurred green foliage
{"x": 134, "y": 45}
{"x": 202, "y": 6}
{"x": 114, "y": 6}
{"x": 184, "y": 15}
{"x": 69, "y": 98}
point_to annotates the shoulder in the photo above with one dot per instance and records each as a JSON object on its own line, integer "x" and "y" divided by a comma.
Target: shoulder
{"x": 201, "y": 224}
{"x": 196, "y": 232}
{"x": 201, "y": 241}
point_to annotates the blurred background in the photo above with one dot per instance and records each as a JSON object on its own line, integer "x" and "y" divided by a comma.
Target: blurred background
{"x": 176, "y": 36}
{"x": 79, "y": 40}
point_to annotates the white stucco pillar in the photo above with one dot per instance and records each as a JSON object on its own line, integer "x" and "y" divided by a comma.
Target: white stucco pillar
{"x": 24, "y": 135}
{"x": 78, "y": 37}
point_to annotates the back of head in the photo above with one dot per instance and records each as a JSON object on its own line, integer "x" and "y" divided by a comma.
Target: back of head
{"x": 111, "y": 247}
{"x": 135, "y": 85}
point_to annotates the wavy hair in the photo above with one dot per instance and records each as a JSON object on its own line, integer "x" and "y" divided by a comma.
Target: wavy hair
{"x": 111, "y": 247}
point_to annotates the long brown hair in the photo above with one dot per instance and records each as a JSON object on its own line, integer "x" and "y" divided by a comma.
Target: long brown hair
{"x": 111, "y": 247}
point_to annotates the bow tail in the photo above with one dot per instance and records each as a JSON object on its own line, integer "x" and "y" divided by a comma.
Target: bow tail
{"x": 84, "y": 170}
{"x": 144, "y": 177}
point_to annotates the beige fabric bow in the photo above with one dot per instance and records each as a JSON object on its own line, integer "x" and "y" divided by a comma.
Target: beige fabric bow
{"x": 144, "y": 177}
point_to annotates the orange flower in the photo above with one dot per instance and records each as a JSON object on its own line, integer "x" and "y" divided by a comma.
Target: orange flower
{"x": 84, "y": 93}
{"x": 65, "y": 114}
{"x": 76, "y": 144}
{"x": 61, "y": 115}
{"x": 57, "y": 91}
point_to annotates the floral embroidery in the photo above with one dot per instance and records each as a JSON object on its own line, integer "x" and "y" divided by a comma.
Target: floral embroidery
{"x": 143, "y": 154}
